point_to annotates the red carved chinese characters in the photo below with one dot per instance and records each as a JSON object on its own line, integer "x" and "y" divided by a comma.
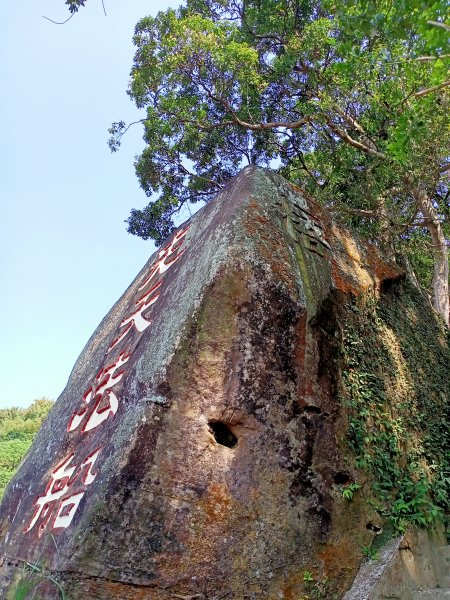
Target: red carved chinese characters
{"x": 136, "y": 319}
{"x": 166, "y": 257}
{"x": 62, "y": 496}
{"x": 56, "y": 508}
{"x": 93, "y": 411}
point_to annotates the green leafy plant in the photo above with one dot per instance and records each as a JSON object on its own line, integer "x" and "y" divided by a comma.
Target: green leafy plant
{"x": 317, "y": 587}
{"x": 24, "y": 588}
{"x": 413, "y": 505}
{"x": 33, "y": 575}
{"x": 349, "y": 490}
{"x": 397, "y": 429}
{"x": 370, "y": 553}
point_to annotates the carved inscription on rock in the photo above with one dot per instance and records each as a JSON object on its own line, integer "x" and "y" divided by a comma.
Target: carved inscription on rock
{"x": 300, "y": 222}
{"x": 56, "y": 506}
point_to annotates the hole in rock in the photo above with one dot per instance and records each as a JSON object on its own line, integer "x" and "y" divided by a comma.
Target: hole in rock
{"x": 342, "y": 478}
{"x": 374, "y": 528}
{"x": 310, "y": 408}
{"x": 223, "y": 434}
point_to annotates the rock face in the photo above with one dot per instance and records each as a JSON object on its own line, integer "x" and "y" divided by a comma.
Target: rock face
{"x": 198, "y": 446}
{"x": 415, "y": 566}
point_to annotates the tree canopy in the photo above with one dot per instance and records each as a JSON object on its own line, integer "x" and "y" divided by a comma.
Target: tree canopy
{"x": 349, "y": 100}
{"x": 18, "y": 426}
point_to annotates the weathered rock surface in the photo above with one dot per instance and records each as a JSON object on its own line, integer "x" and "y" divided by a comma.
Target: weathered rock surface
{"x": 198, "y": 446}
{"x": 415, "y": 566}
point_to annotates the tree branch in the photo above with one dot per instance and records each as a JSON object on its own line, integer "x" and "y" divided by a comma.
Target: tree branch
{"x": 198, "y": 124}
{"x": 58, "y": 22}
{"x": 252, "y": 126}
{"x": 343, "y": 135}
{"x": 357, "y": 212}
{"x": 195, "y": 175}
{"x": 260, "y": 126}
{"x": 439, "y": 24}
{"x": 441, "y": 266}
{"x": 264, "y": 126}
{"x": 430, "y": 90}
{"x": 350, "y": 120}
{"x": 428, "y": 58}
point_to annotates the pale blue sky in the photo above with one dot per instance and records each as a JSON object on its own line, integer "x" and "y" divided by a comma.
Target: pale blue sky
{"x": 65, "y": 254}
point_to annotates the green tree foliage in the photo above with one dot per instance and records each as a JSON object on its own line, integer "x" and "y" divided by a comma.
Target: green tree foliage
{"x": 75, "y": 5}
{"x": 350, "y": 100}
{"x": 18, "y": 426}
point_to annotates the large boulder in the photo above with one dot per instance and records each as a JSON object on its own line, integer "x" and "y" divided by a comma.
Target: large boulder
{"x": 199, "y": 447}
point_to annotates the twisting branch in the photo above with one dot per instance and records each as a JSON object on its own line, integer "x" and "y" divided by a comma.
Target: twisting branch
{"x": 201, "y": 126}
{"x": 441, "y": 262}
{"x": 239, "y": 149}
{"x": 268, "y": 36}
{"x": 422, "y": 93}
{"x": 131, "y": 124}
{"x": 196, "y": 176}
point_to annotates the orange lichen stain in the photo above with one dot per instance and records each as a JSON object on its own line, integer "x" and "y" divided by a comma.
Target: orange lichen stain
{"x": 261, "y": 219}
{"x": 217, "y": 503}
{"x": 341, "y": 281}
{"x": 340, "y": 560}
{"x": 209, "y": 523}
{"x": 380, "y": 267}
{"x": 293, "y": 587}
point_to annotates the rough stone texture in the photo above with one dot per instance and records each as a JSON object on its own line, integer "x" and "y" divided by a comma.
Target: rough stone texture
{"x": 217, "y": 475}
{"x": 413, "y": 567}
{"x": 434, "y": 594}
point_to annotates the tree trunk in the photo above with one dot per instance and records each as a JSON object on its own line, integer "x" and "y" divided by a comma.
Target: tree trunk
{"x": 440, "y": 277}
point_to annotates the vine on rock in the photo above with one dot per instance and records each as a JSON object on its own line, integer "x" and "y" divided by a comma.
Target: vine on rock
{"x": 396, "y": 362}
